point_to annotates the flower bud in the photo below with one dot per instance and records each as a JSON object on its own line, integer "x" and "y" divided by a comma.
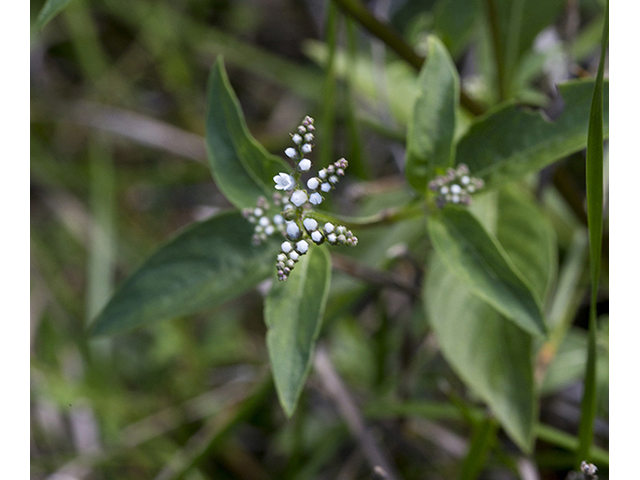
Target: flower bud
{"x": 310, "y": 224}
{"x": 298, "y": 198}
{"x": 304, "y": 165}
{"x": 315, "y": 198}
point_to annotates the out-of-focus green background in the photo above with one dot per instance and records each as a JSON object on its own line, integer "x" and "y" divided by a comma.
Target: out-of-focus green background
{"x": 118, "y": 164}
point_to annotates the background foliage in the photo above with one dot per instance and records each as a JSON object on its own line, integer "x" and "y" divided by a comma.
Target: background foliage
{"x": 423, "y": 366}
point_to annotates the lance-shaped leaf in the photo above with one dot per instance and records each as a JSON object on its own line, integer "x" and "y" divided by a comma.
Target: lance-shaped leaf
{"x": 479, "y": 261}
{"x": 511, "y": 141}
{"x": 241, "y": 167}
{"x": 489, "y": 353}
{"x": 528, "y": 238}
{"x": 206, "y": 264}
{"x": 431, "y": 129}
{"x": 293, "y": 314}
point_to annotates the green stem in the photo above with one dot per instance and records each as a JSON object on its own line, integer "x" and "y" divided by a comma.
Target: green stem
{"x": 359, "y": 12}
{"x": 385, "y": 217}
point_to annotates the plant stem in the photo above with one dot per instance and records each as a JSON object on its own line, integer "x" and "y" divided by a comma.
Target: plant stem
{"x": 364, "y": 17}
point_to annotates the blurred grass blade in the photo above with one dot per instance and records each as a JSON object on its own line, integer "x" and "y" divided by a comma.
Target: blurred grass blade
{"x": 241, "y": 167}
{"x": 102, "y": 246}
{"x": 483, "y": 440}
{"x": 482, "y": 264}
{"x": 205, "y": 265}
{"x": 430, "y": 146}
{"x": 491, "y": 354}
{"x": 595, "y": 188}
{"x": 510, "y": 141}
{"x": 293, "y": 313}
{"x": 50, "y": 9}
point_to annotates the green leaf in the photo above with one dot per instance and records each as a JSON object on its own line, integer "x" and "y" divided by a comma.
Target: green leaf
{"x": 206, "y": 264}
{"x": 50, "y": 9}
{"x": 511, "y": 142}
{"x": 241, "y": 167}
{"x": 293, "y": 314}
{"x": 514, "y": 25}
{"x": 482, "y": 264}
{"x": 528, "y": 238}
{"x": 430, "y": 146}
{"x": 595, "y": 189}
{"x": 491, "y": 355}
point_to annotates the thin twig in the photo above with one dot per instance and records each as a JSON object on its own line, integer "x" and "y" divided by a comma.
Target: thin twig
{"x": 336, "y": 389}
{"x": 373, "y": 276}
{"x": 364, "y": 17}
{"x": 140, "y": 128}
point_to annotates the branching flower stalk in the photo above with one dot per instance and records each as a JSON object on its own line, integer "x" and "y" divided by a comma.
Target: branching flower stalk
{"x": 295, "y": 219}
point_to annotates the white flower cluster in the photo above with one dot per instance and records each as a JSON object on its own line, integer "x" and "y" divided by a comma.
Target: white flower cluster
{"x": 456, "y": 186}
{"x": 295, "y": 221}
{"x": 295, "y": 246}
{"x": 265, "y": 224}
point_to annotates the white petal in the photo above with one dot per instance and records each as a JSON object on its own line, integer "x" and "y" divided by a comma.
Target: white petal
{"x": 328, "y": 227}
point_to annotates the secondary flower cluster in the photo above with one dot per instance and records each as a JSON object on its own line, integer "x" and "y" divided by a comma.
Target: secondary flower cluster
{"x": 295, "y": 220}
{"x": 456, "y": 186}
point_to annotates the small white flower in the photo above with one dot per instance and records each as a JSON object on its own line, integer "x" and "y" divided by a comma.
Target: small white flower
{"x": 297, "y": 139}
{"x": 293, "y": 255}
{"x": 306, "y": 148}
{"x": 332, "y": 238}
{"x": 322, "y": 174}
{"x": 264, "y": 221}
{"x": 302, "y": 247}
{"x": 298, "y": 198}
{"x": 328, "y": 227}
{"x": 310, "y": 224}
{"x": 290, "y": 152}
{"x": 315, "y": 198}
{"x": 278, "y": 219}
{"x": 455, "y": 189}
{"x": 465, "y": 180}
{"x": 325, "y": 187}
{"x": 333, "y": 179}
{"x": 281, "y": 257}
{"x": 455, "y": 198}
{"x": 313, "y": 183}
{"x": 471, "y": 189}
{"x": 286, "y": 247}
{"x": 444, "y": 190}
{"x": 316, "y": 236}
{"x": 257, "y": 212}
{"x": 269, "y": 230}
{"x": 293, "y": 231}
{"x": 304, "y": 165}
{"x": 284, "y": 181}
{"x": 308, "y": 137}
